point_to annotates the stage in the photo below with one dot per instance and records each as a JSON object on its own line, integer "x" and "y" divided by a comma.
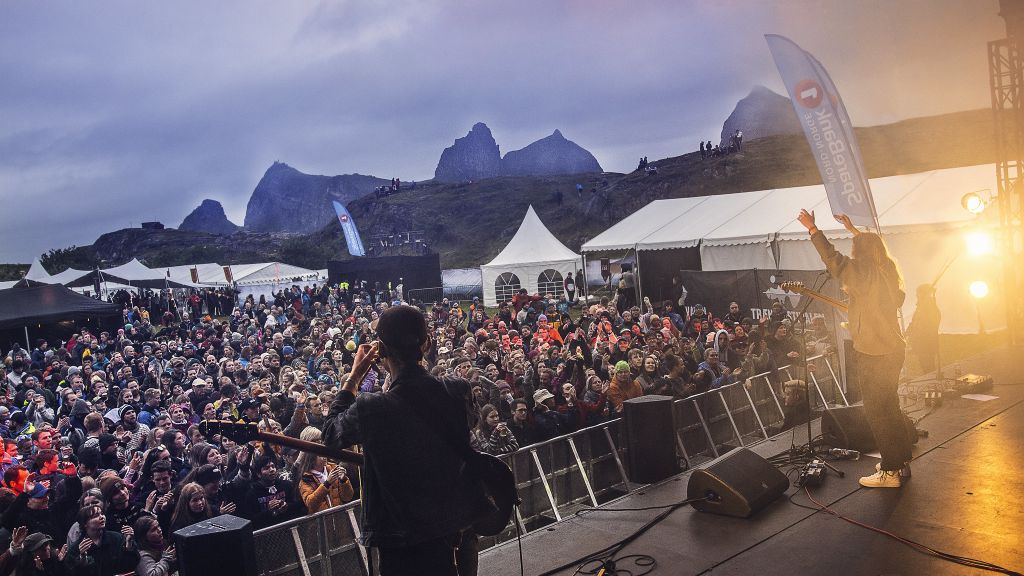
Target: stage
{"x": 966, "y": 497}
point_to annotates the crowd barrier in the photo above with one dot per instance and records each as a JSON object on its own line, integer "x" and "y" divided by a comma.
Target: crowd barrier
{"x": 560, "y": 476}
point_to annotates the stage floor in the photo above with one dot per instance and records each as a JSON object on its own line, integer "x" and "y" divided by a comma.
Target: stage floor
{"x": 966, "y": 498}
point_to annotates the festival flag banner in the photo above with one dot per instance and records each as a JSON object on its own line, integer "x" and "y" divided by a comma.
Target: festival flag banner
{"x": 828, "y": 130}
{"x": 348, "y": 226}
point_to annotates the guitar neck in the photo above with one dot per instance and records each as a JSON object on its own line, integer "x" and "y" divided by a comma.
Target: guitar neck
{"x": 827, "y": 300}
{"x": 318, "y": 449}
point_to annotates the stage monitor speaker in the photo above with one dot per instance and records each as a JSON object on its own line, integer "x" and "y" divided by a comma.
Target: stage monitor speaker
{"x": 847, "y": 428}
{"x": 216, "y": 547}
{"x": 740, "y": 484}
{"x": 650, "y": 439}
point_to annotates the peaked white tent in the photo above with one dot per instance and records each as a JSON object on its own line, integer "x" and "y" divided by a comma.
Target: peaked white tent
{"x": 534, "y": 259}
{"x": 39, "y": 274}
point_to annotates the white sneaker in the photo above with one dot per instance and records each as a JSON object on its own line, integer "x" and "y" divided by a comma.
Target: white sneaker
{"x": 882, "y": 479}
{"x": 904, "y": 472}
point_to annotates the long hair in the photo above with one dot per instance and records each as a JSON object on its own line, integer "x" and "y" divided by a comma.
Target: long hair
{"x": 183, "y": 515}
{"x": 482, "y": 425}
{"x": 142, "y": 527}
{"x": 307, "y": 460}
{"x": 871, "y": 254}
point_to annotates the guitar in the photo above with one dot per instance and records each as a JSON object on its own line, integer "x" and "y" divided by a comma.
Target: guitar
{"x": 243, "y": 432}
{"x": 799, "y": 288}
{"x": 497, "y": 479}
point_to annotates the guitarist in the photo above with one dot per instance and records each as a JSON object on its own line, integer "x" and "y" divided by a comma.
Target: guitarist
{"x": 417, "y": 498}
{"x": 873, "y": 281}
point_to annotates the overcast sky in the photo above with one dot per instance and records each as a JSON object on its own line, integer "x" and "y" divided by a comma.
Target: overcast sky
{"x": 112, "y": 113}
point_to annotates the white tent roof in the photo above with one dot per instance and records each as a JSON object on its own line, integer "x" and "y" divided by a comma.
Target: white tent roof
{"x": 39, "y": 274}
{"x": 134, "y": 271}
{"x": 903, "y": 203}
{"x": 270, "y": 272}
{"x": 532, "y": 243}
{"x": 210, "y": 273}
{"x": 651, "y": 217}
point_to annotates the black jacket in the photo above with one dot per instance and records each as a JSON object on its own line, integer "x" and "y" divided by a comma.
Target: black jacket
{"x": 415, "y": 488}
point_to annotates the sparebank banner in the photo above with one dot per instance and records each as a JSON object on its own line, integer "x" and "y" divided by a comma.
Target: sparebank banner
{"x": 828, "y": 130}
{"x": 348, "y": 226}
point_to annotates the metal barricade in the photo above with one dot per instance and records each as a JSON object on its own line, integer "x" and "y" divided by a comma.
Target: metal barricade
{"x": 424, "y": 295}
{"x": 557, "y": 477}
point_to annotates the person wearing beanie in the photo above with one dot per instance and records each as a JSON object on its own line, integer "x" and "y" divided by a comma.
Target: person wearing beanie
{"x": 623, "y": 386}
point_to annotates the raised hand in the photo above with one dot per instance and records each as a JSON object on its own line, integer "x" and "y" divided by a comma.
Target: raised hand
{"x": 845, "y": 221}
{"x": 18, "y": 536}
{"x": 806, "y": 218}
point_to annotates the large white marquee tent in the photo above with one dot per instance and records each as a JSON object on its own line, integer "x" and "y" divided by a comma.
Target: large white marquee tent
{"x": 920, "y": 216}
{"x": 534, "y": 259}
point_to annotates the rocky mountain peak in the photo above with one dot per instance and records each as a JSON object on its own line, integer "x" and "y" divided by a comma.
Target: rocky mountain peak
{"x": 761, "y": 113}
{"x": 472, "y": 157}
{"x": 209, "y": 217}
{"x": 549, "y": 156}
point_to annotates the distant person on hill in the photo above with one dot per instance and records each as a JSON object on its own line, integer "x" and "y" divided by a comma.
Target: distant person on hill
{"x": 703, "y": 155}
{"x": 579, "y": 191}
{"x": 739, "y": 140}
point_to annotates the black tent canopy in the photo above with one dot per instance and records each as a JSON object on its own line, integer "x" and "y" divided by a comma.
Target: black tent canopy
{"x": 21, "y": 306}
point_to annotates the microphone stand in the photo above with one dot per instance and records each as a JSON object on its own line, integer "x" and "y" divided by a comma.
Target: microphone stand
{"x": 811, "y": 452}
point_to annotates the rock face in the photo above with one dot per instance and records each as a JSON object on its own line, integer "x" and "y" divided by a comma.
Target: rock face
{"x": 762, "y": 113}
{"x": 286, "y": 200}
{"x": 471, "y": 157}
{"x": 548, "y": 157}
{"x": 208, "y": 217}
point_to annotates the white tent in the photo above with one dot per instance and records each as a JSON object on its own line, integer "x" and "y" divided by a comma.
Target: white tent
{"x": 267, "y": 278}
{"x": 534, "y": 259}
{"x": 920, "y": 216}
{"x": 39, "y": 274}
{"x": 210, "y": 274}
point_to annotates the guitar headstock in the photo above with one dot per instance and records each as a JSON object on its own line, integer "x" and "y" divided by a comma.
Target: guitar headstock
{"x": 793, "y": 286}
{"x": 240, "y": 432}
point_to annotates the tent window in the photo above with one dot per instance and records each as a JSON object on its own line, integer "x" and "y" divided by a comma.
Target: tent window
{"x": 549, "y": 282}
{"x": 506, "y": 286}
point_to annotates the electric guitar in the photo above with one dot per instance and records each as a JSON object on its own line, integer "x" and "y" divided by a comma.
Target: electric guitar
{"x": 496, "y": 477}
{"x": 799, "y": 288}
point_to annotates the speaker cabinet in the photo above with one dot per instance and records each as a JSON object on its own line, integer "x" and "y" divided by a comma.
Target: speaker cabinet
{"x": 847, "y": 428}
{"x": 216, "y": 547}
{"x": 740, "y": 484}
{"x": 650, "y": 439}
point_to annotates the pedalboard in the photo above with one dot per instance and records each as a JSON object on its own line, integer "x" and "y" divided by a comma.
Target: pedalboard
{"x": 812, "y": 473}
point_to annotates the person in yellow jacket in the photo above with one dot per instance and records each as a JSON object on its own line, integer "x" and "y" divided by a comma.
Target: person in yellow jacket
{"x": 322, "y": 484}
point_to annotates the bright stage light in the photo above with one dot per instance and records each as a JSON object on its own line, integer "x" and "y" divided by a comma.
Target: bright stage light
{"x": 973, "y": 203}
{"x": 980, "y": 244}
{"x": 979, "y": 289}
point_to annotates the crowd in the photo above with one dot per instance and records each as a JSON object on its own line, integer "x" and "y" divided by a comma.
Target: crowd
{"x": 104, "y": 457}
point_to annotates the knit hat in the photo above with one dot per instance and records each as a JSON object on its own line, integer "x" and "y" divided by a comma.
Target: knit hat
{"x": 622, "y": 366}
{"x": 108, "y": 484}
{"x": 106, "y": 441}
{"x": 124, "y": 410}
{"x": 350, "y": 345}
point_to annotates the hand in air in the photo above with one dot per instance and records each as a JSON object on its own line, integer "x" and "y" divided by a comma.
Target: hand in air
{"x": 806, "y": 218}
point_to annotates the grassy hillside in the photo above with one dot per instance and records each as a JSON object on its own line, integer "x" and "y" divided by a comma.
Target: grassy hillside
{"x": 469, "y": 223}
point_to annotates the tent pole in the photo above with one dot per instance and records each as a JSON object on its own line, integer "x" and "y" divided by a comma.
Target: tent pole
{"x": 28, "y": 345}
{"x": 639, "y": 290}
{"x": 583, "y": 292}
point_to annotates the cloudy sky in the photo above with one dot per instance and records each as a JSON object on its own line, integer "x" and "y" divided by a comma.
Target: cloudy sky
{"x": 112, "y": 113}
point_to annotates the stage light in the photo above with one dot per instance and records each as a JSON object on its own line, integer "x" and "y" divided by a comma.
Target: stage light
{"x": 979, "y": 289}
{"x": 980, "y": 243}
{"x": 973, "y": 203}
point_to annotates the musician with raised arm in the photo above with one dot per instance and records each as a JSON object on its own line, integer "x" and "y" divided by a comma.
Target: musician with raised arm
{"x": 417, "y": 496}
{"x": 873, "y": 281}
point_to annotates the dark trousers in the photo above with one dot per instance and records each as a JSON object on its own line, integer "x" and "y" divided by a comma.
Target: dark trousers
{"x": 448, "y": 556}
{"x": 879, "y": 379}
